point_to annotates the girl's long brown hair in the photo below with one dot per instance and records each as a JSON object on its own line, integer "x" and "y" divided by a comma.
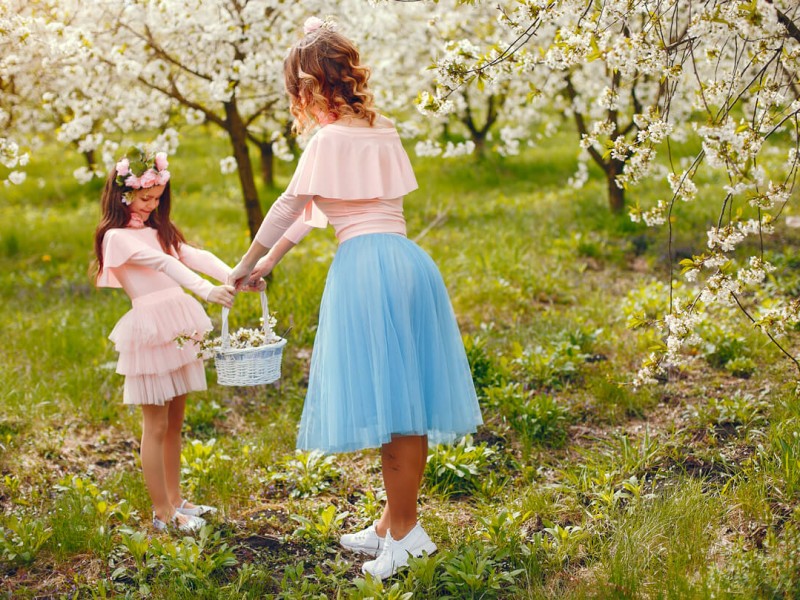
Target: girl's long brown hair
{"x": 324, "y": 77}
{"x": 116, "y": 214}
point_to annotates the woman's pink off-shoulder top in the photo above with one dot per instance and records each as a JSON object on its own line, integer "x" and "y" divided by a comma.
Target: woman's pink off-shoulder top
{"x": 351, "y": 177}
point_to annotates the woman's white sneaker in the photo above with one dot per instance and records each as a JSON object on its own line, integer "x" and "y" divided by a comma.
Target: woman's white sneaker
{"x": 396, "y": 552}
{"x": 365, "y": 541}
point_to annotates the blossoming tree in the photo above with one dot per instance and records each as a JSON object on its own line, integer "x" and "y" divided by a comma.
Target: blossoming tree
{"x": 18, "y": 48}
{"x": 723, "y": 75}
{"x": 52, "y": 84}
{"x": 637, "y": 78}
{"x": 219, "y": 62}
{"x": 497, "y": 114}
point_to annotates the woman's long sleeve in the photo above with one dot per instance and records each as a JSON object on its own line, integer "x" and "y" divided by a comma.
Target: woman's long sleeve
{"x": 298, "y": 230}
{"x": 281, "y": 216}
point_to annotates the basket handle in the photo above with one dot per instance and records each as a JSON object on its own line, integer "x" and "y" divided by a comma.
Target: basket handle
{"x": 226, "y": 341}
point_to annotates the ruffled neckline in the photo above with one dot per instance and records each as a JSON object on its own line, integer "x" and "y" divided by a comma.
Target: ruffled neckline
{"x": 353, "y": 163}
{"x": 135, "y": 222}
{"x": 373, "y": 129}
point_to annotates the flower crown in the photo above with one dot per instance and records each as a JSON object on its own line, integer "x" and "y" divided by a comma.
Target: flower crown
{"x": 140, "y": 169}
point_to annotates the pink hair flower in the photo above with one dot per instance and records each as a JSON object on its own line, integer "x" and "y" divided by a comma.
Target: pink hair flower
{"x": 161, "y": 162}
{"x": 312, "y": 24}
{"x": 123, "y": 167}
{"x": 163, "y": 177}
{"x": 148, "y": 179}
{"x": 133, "y": 182}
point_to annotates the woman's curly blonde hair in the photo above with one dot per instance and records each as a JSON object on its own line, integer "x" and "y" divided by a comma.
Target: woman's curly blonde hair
{"x": 324, "y": 79}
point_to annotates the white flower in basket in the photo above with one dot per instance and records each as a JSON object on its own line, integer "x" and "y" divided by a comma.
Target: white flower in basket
{"x": 246, "y": 356}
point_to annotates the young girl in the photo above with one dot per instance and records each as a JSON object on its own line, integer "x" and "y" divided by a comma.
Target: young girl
{"x": 388, "y": 367}
{"x": 139, "y": 249}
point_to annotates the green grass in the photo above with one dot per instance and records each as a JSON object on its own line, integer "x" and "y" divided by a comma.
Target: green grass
{"x": 577, "y": 486}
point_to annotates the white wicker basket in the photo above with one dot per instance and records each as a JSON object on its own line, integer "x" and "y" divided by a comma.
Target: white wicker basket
{"x": 249, "y": 366}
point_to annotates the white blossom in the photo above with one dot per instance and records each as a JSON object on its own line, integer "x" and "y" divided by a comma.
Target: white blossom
{"x": 427, "y": 148}
{"x": 83, "y": 174}
{"x": 656, "y": 215}
{"x": 17, "y": 177}
{"x": 280, "y": 147}
{"x": 194, "y": 116}
{"x": 452, "y": 150}
{"x": 580, "y": 177}
{"x": 227, "y": 165}
{"x": 509, "y": 140}
{"x": 756, "y": 273}
{"x": 683, "y": 186}
{"x": 725, "y": 238}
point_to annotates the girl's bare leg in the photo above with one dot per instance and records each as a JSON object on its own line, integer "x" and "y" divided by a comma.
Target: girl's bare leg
{"x": 172, "y": 451}
{"x": 155, "y": 420}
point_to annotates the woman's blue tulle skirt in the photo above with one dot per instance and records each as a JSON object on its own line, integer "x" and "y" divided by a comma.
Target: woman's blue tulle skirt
{"x": 388, "y": 356}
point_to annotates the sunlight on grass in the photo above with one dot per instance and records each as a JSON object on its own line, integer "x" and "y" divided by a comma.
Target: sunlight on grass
{"x": 577, "y": 486}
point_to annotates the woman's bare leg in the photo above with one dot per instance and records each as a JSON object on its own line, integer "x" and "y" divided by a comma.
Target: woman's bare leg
{"x": 401, "y": 460}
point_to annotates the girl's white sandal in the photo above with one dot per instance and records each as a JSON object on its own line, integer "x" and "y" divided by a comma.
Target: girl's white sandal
{"x": 188, "y": 524}
{"x": 196, "y": 511}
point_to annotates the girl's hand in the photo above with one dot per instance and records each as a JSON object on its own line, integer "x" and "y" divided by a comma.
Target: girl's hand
{"x": 222, "y": 294}
{"x": 254, "y": 285}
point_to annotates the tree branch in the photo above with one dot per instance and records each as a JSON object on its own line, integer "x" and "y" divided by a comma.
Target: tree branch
{"x": 769, "y": 335}
{"x": 249, "y": 121}
{"x": 174, "y": 93}
{"x": 163, "y": 54}
{"x": 581, "y": 125}
{"x": 792, "y": 29}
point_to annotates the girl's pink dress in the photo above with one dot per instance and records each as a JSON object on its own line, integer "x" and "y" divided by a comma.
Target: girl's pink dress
{"x": 156, "y": 369}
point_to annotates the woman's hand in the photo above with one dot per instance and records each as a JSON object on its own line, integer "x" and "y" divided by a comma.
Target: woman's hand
{"x": 240, "y": 274}
{"x": 262, "y": 269}
{"x": 222, "y": 294}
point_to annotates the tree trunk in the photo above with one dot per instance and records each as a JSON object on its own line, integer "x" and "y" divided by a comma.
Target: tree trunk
{"x": 479, "y": 134}
{"x": 479, "y": 139}
{"x": 90, "y": 162}
{"x": 611, "y": 167}
{"x": 267, "y": 163}
{"x": 238, "y": 136}
{"x": 288, "y": 133}
{"x": 616, "y": 194}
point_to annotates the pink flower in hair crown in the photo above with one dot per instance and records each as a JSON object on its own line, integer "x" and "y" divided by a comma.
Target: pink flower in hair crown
{"x": 161, "y": 161}
{"x": 141, "y": 169}
{"x": 123, "y": 167}
{"x": 312, "y": 24}
{"x": 148, "y": 179}
{"x": 133, "y": 182}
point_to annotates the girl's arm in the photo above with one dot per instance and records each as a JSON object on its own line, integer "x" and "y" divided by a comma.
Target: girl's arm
{"x": 204, "y": 262}
{"x": 180, "y": 273}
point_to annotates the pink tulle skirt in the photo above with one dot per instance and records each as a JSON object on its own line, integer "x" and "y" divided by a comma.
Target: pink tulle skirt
{"x": 156, "y": 369}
